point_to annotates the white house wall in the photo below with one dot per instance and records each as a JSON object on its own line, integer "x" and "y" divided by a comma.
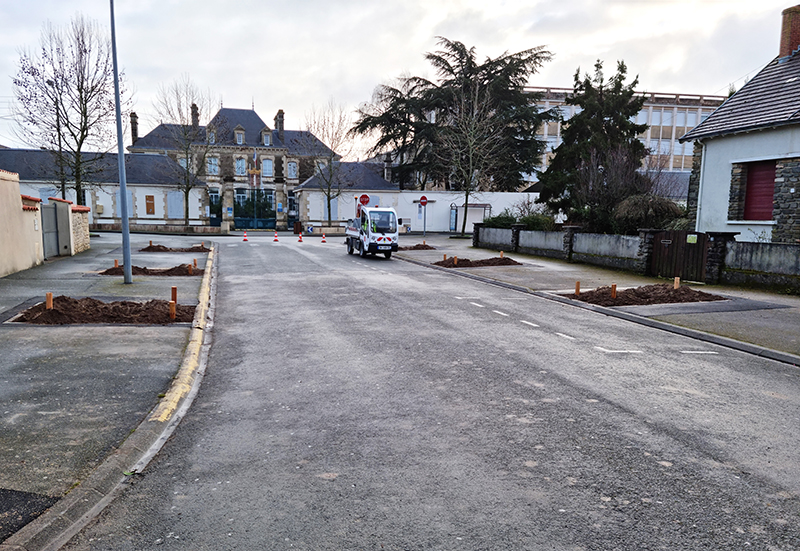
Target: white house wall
{"x": 437, "y": 218}
{"x": 718, "y": 158}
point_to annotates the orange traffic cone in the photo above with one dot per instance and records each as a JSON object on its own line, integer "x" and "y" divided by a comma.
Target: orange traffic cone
{"x": 323, "y": 238}
{"x": 276, "y": 238}
{"x": 300, "y": 240}
{"x": 245, "y": 236}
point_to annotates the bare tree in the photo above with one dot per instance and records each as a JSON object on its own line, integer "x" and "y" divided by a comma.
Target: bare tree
{"x": 181, "y": 106}
{"x": 65, "y": 100}
{"x": 330, "y": 125}
{"x": 468, "y": 144}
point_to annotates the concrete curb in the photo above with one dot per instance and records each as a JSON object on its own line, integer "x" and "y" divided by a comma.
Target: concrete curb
{"x": 756, "y": 350}
{"x": 56, "y": 526}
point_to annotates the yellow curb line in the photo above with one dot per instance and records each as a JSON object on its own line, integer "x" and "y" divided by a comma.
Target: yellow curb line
{"x": 191, "y": 359}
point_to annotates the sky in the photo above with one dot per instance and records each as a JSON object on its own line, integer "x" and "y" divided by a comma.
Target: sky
{"x": 295, "y": 54}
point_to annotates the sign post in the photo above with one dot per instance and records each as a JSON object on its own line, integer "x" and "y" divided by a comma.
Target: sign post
{"x": 424, "y": 202}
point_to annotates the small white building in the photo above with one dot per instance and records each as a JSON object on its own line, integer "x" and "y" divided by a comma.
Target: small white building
{"x": 746, "y": 175}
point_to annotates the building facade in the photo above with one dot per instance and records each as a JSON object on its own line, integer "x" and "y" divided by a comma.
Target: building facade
{"x": 242, "y": 160}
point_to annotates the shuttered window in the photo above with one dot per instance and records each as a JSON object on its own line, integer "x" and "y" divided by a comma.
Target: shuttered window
{"x": 150, "y": 204}
{"x": 759, "y": 190}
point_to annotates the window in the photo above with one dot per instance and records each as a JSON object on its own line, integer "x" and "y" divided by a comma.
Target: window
{"x": 266, "y": 168}
{"x": 642, "y": 117}
{"x": 241, "y": 195}
{"x": 150, "y": 204}
{"x": 655, "y": 118}
{"x": 184, "y": 162}
{"x": 291, "y": 169}
{"x": 213, "y": 195}
{"x": 759, "y": 190}
{"x": 266, "y": 138}
{"x": 239, "y": 138}
{"x": 212, "y": 166}
{"x": 241, "y": 166}
{"x": 212, "y": 136}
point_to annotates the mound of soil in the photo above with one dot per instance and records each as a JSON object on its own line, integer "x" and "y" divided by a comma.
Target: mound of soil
{"x": 417, "y": 247}
{"x": 647, "y": 294}
{"x": 467, "y": 263}
{"x": 163, "y": 249}
{"x": 179, "y": 270}
{"x": 67, "y": 310}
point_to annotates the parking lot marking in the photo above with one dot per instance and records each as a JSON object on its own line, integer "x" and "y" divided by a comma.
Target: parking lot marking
{"x": 478, "y": 305}
{"x": 528, "y": 323}
{"x": 499, "y": 313}
{"x": 565, "y": 336}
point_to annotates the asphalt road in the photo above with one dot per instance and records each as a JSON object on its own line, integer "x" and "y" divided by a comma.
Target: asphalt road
{"x": 376, "y": 404}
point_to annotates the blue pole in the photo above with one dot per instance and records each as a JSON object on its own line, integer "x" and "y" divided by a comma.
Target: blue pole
{"x": 123, "y": 189}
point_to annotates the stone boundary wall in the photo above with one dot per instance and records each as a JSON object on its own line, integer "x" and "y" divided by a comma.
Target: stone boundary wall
{"x": 769, "y": 265}
{"x": 80, "y": 229}
{"x": 161, "y": 228}
{"x": 772, "y": 265}
{"x": 610, "y": 251}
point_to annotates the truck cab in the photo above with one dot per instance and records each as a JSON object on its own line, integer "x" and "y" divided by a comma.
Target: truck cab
{"x": 373, "y": 231}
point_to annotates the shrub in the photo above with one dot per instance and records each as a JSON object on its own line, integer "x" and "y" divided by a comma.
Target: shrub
{"x": 538, "y": 222}
{"x": 644, "y": 211}
{"x": 503, "y": 220}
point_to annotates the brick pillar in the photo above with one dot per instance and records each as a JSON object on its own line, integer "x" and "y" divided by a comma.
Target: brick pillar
{"x": 515, "y": 229}
{"x": 644, "y": 255}
{"x": 569, "y": 238}
{"x": 715, "y": 262}
{"x": 476, "y": 234}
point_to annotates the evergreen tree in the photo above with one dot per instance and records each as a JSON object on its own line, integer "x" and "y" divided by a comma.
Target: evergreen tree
{"x": 599, "y": 160}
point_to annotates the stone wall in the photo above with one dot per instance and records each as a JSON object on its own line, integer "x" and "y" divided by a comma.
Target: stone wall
{"x": 786, "y": 206}
{"x": 694, "y": 184}
{"x": 736, "y": 196}
{"x": 80, "y": 229}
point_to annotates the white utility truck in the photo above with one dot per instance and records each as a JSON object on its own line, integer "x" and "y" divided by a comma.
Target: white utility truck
{"x": 372, "y": 231}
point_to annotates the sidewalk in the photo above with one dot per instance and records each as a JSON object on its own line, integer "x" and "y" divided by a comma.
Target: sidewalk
{"x": 73, "y": 397}
{"x": 760, "y": 318}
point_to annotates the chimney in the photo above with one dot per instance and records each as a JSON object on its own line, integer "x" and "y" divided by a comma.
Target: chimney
{"x": 387, "y": 167}
{"x": 195, "y": 117}
{"x": 790, "y": 31}
{"x": 134, "y": 127}
{"x": 279, "y": 124}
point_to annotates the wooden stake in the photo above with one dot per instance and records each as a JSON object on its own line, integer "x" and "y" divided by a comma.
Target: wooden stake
{"x": 445, "y": 257}
{"x": 455, "y": 261}
{"x": 195, "y": 263}
{"x": 172, "y": 309}
{"x": 501, "y": 254}
{"x": 613, "y": 290}
{"x": 116, "y": 263}
{"x": 423, "y": 241}
{"x": 677, "y": 283}
{"x": 175, "y": 295}
{"x": 151, "y": 242}
{"x": 49, "y": 301}
{"x": 190, "y": 270}
{"x": 577, "y": 288}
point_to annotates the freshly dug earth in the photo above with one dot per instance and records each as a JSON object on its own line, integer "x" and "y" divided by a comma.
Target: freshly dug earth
{"x": 417, "y": 247}
{"x": 467, "y": 263}
{"x": 180, "y": 270}
{"x": 647, "y": 294}
{"x": 163, "y": 249}
{"x": 68, "y": 310}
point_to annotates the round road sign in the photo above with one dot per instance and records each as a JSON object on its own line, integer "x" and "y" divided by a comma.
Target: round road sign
{"x": 364, "y": 199}
{"x": 423, "y": 200}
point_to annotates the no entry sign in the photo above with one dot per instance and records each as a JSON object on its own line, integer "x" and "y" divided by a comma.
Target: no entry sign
{"x": 423, "y": 200}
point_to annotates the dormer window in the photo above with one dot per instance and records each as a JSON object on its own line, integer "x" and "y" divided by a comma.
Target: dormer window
{"x": 212, "y": 137}
{"x": 266, "y": 138}
{"x": 239, "y": 138}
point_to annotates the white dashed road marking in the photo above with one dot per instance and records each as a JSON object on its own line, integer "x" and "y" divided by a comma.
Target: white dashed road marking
{"x": 478, "y": 305}
{"x": 528, "y": 323}
{"x": 565, "y": 336}
{"x": 499, "y": 313}
{"x": 698, "y": 352}
{"x": 601, "y": 349}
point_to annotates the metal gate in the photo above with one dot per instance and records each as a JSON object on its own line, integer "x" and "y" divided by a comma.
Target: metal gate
{"x": 50, "y": 230}
{"x": 680, "y": 254}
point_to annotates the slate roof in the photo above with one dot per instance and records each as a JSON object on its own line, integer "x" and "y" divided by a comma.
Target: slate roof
{"x": 354, "y": 177}
{"x": 770, "y": 99}
{"x": 140, "y": 168}
{"x": 298, "y": 142}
